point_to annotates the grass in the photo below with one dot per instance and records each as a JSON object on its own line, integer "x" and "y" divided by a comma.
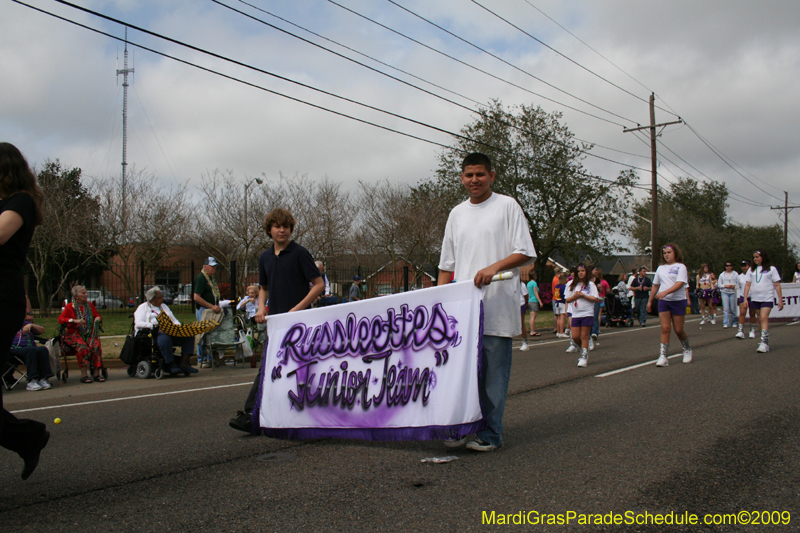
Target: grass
{"x": 114, "y": 322}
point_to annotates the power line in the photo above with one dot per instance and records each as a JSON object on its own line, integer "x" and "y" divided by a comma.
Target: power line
{"x": 557, "y": 52}
{"x": 578, "y": 173}
{"x": 724, "y": 160}
{"x": 389, "y": 76}
{"x": 507, "y": 63}
{"x": 473, "y": 67}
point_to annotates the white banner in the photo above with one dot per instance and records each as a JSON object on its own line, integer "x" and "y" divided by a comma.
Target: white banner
{"x": 399, "y": 367}
{"x": 791, "y": 304}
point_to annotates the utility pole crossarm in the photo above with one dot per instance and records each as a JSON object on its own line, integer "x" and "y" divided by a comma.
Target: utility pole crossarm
{"x": 628, "y": 130}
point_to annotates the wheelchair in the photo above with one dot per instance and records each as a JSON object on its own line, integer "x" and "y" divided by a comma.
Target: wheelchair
{"x": 244, "y": 324}
{"x": 147, "y": 359}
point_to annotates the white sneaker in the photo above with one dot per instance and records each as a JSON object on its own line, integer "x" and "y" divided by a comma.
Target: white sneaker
{"x": 752, "y": 334}
{"x": 591, "y": 345}
{"x": 713, "y": 322}
{"x": 33, "y": 385}
{"x": 662, "y": 361}
{"x": 725, "y": 327}
{"x": 45, "y": 384}
{"x": 524, "y": 347}
{"x": 594, "y": 336}
{"x": 762, "y": 347}
{"x": 562, "y": 335}
{"x": 740, "y": 335}
{"x": 572, "y": 348}
{"x": 583, "y": 361}
{"x": 703, "y": 321}
{"x": 687, "y": 356}
{"x": 455, "y": 443}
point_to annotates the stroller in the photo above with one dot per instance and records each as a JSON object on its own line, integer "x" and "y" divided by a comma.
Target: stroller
{"x": 618, "y": 311}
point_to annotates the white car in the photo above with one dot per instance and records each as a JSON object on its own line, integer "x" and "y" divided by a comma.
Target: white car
{"x": 104, "y": 301}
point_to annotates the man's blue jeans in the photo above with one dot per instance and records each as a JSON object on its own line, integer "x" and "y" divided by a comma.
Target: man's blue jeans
{"x": 198, "y": 312}
{"x": 640, "y": 309}
{"x": 598, "y": 306}
{"x": 730, "y": 313}
{"x": 493, "y": 386}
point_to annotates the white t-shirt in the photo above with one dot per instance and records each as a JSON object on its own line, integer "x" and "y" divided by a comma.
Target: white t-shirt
{"x": 727, "y": 279}
{"x": 523, "y": 294}
{"x": 478, "y": 235}
{"x": 667, "y": 276}
{"x": 761, "y": 283}
{"x": 581, "y": 307}
{"x": 740, "y": 283}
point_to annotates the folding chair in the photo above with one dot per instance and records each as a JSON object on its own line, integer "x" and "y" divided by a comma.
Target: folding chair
{"x": 10, "y": 369}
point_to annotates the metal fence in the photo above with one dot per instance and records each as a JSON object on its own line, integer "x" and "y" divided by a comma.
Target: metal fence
{"x": 120, "y": 289}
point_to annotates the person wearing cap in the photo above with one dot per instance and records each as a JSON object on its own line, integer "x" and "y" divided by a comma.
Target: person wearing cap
{"x": 355, "y": 288}
{"x": 641, "y": 286}
{"x": 740, "y": 285}
{"x": 206, "y": 296}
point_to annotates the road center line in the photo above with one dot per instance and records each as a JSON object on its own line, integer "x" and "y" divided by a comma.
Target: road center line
{"x": 634, "y": 366}
{"x": 129, "y": 398}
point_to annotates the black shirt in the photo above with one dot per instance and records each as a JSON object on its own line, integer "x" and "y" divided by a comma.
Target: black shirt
{"x": 638, "y": 295}
{"x": 286, "y": 276}
{"x": 14, "y": 251}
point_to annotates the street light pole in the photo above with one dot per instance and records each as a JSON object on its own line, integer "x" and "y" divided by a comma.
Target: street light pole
{"x": 247, "y": 225}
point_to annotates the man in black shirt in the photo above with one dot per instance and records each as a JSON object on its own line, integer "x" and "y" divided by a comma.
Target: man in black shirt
{"x": 284, "y": 274}
{"x": 641, "y": 286}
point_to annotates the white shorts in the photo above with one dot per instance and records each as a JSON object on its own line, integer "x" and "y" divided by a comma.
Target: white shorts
{"x": 559, "y": 308}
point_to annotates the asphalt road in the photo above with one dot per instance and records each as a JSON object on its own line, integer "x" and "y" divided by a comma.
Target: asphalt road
{"x": 718, "y": 436}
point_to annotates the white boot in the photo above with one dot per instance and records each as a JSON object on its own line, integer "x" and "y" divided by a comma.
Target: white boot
{"x": 763, "y": 346}
{"x": 687, "y": 351}
{"x": 740, "y": 333}
{"x": 662, "y": 358}
{"x": 572, "y": 346}
{"x": 584, "y": 359}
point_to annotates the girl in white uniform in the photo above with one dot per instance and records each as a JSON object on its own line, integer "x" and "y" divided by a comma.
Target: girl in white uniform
{"x": 763, "y": 284}
{"x": 669, "y": 289}
{"x": 580, "y": 298}
{"x": 740, "y": 283}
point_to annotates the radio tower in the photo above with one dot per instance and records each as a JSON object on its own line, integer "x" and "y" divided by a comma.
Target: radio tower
{"x": 125, "y": 71}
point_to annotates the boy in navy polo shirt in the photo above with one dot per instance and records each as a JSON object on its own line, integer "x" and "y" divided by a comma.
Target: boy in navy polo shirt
{"x": 285, "y": 272}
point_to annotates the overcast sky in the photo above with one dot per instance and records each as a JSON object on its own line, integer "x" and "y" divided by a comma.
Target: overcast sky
{"x": 729, "y": 68}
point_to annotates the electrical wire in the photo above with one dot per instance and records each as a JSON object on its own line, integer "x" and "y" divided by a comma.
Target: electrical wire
{"x": 417, "y": 77}
{"x": 510, "y": 64}
{"x": 473, "y": 67}
{"x": 577, "y": 173}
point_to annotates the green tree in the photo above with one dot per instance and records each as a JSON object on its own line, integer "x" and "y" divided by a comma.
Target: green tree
{"x": 693, "y": 215}
{"x": 539, "y": 163}
{"x": 68, "y": 245}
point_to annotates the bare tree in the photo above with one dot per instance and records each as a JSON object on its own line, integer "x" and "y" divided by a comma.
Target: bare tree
{"x": 142, "y": 223}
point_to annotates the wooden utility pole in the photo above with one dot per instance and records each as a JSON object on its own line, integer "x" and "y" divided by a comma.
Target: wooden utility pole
{"x": 654, "y": 245}
{"x": 786, "y": 208}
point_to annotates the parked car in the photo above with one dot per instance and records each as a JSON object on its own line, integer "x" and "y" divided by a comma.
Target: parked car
{"x": 185, "y": 296}
{"x": 104, "y": 300}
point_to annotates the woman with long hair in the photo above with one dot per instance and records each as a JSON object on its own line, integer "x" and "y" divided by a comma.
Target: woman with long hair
{"x": 705, "y": 294}
{"x": 669, "y": 290}
{"x": 20, "y": 213}
{"x": 580, "y": 298}
{"x": 763, "y": 285}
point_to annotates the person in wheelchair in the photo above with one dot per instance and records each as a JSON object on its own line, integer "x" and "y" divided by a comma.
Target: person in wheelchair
{"x": 249, "y": 304}
{"x": 145, "y": 318}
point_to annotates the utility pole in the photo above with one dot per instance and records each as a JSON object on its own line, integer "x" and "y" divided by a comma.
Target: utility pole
{"x": 654, "y": 244}
{"x": 786, "y": 208}
{"x": 125, "y": 71}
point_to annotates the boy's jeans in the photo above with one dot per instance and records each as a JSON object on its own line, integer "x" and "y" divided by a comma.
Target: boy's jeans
{"x": 493, "y": 386}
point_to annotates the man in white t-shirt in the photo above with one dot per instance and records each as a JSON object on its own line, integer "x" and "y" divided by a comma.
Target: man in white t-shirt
{"x": 485, "y": 235}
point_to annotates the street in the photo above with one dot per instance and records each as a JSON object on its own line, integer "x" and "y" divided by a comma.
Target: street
{"x": 718, "y": 436}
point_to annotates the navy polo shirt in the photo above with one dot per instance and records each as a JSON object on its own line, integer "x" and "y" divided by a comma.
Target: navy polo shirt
{"x": 286, "y": 276}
